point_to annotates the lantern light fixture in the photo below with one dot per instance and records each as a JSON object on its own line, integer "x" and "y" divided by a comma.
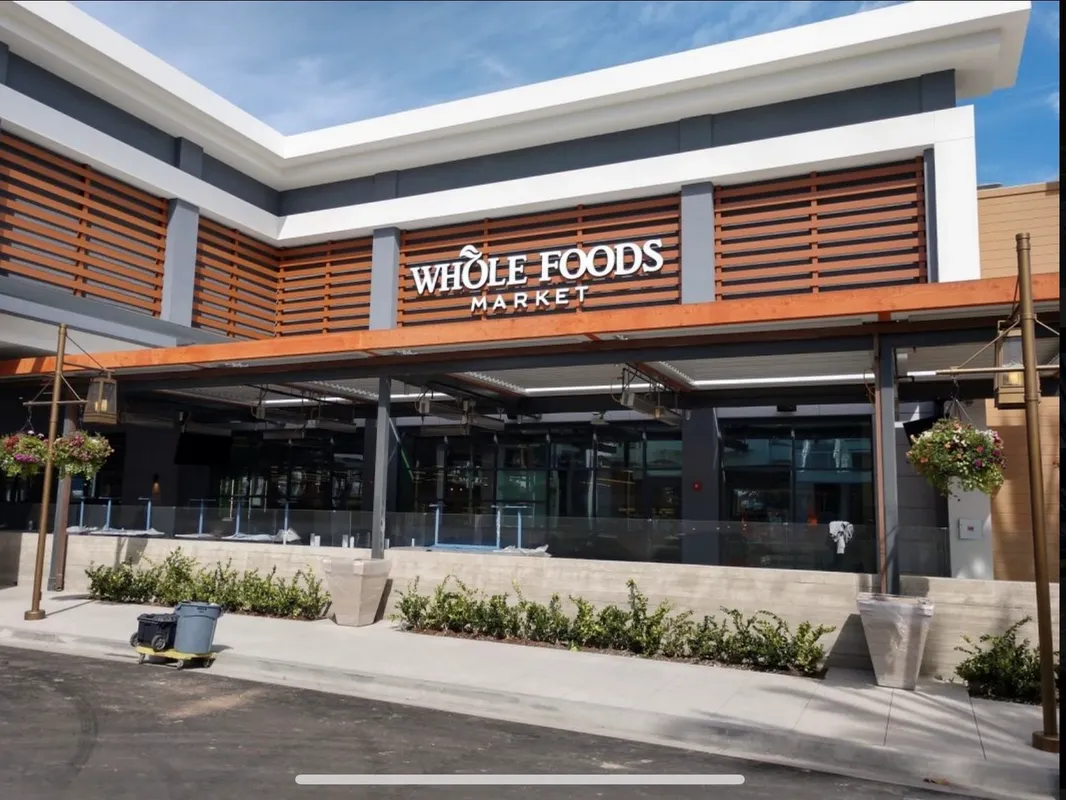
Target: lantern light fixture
{"x": 1009, "y": 386}
{"x": 101, "y": 402}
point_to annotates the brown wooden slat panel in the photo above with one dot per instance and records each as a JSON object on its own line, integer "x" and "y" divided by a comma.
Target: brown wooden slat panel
{"x": 67, "y": 225}
{"x": 245, "y": 288}
{"x": 607, "y": 225}
{"x": 822, "y": 232}
{"x": 236, "y": 288}
{"x": 325, "y": 288}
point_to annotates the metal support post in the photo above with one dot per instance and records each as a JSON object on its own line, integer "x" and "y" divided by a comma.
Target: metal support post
{"x": 35, "y": 611}
{"x": 887, "y": 472}
{"x": 57, "y": 581}
{"x": 1048, "y": 738}
{"x": 381, "y": 468}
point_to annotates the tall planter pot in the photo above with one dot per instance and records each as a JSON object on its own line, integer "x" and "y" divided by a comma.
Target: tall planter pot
{"x": 896, "y": 630}
{"x": 356, "y": 588}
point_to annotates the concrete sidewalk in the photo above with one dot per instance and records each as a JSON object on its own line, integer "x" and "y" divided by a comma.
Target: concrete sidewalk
{"x": 845, "y": 724}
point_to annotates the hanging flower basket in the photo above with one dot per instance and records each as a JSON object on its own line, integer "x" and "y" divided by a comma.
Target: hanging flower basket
{"x": 956, "y": 455}
{"x": 80, "y": 453}
{"x": 22, "y": 455}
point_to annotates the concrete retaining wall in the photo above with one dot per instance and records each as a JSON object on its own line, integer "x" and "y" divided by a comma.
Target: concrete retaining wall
{"x": 962, "y": 606}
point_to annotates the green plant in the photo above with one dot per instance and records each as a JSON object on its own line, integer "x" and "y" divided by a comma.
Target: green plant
{"x": 178, "y": 578}
{"x": 80, "y": 453}
{"x": 584, "y": 628}
{"x": 646, "y": 630}
{"x": 1000, "y": 667}
{"x": 761, "y": 641}
{"x": 23, "y": 455}
{"x": 679, "y": 637}
{"x": 412, "y": 607}
{"x": 612, "y": 629}
{"x": 953, "y": 451}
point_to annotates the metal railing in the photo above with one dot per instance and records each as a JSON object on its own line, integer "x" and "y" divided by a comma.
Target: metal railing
{"x": 922, "y": 550}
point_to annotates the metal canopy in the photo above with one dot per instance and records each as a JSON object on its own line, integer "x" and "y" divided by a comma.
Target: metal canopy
{"x": 826, "y": 376}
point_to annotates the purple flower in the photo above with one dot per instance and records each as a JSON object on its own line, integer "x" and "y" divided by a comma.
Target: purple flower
{"x": 978, "y": 463}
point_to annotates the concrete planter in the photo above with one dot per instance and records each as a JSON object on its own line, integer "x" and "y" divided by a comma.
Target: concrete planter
{"x": 896, "y": 629}
{"x": 356, "y": 588}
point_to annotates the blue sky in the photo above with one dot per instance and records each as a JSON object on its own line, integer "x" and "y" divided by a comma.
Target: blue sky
{"x": 306, "y": 65}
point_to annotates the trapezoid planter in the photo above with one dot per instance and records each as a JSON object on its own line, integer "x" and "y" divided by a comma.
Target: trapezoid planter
{"x": 896, "y": 630}
{"x": 355, "y": 588}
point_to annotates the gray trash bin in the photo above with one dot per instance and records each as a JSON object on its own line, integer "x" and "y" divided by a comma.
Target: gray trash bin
{"x": 196, "y": 627}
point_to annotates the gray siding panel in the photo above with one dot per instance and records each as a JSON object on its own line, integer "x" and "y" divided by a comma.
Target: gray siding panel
{"x": 851, "y": 107}
{"x": 44, "y": 87}
{"x": 895, "y": 99}
{"x": 898, "y": 98}
{"x": 239, "y": 185}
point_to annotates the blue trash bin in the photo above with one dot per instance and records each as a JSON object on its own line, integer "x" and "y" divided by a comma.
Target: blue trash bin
{"x": 196, "y": 627}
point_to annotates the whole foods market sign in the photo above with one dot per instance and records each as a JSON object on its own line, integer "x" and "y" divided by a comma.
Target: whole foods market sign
{"x": 533, "y": 282}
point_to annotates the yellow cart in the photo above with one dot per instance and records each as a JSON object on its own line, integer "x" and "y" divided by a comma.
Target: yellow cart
{"x": 180, "y": 660}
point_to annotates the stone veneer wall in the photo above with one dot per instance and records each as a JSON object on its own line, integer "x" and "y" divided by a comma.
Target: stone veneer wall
{"x": 962, "y": 606}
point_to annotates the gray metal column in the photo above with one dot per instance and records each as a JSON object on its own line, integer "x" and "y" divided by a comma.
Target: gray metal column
{"x": 183, "y": 230}
{"x": 700, "y": 488}
{"x": 931, "y": 246}
{"x": 61, "y": 521}
{"x": 381, "y": 469}
{"x": 370, "y": 433}
{"x": 179, "y": 263}
{"x": 385, "y": 279}
{"x": 888, "y": 480}
{"x": 697, "y": 243}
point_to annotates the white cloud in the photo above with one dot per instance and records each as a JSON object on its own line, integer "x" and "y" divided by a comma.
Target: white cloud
{"x": 306, "y": 65}
{"x": 1053, "y": 102}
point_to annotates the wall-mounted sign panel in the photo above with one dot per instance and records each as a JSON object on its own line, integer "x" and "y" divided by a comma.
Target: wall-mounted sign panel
{"x": 583, "y": 259}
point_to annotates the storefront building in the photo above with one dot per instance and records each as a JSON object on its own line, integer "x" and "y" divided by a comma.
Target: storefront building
{"x": 654, "y": 300}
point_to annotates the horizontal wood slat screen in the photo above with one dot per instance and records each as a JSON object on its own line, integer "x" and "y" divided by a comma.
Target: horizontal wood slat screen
{"x": 583, "y": 227}
{"x": 69, "y": 226}
{"x": 325, "y": 288}
{"x": 248, "y": 289}
{"x": 236, "y": 287}
{"x": 821, "y": 232}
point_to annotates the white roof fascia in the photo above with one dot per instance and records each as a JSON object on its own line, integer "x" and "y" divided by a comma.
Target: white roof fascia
{"x": 981, "y": 41}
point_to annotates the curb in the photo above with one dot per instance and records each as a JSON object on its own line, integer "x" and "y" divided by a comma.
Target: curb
{"x": 975, "y": 778}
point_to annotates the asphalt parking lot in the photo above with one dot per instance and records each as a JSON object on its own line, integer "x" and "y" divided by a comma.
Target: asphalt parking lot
{"x": 103, "y": 730}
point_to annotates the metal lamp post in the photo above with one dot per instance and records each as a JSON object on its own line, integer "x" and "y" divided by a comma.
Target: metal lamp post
{"x": 1046, "y": 739}
{"x": 35, "y": 611}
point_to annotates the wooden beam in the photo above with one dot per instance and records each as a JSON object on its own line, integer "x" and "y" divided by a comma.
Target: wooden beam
{"x": 910, "y": 299}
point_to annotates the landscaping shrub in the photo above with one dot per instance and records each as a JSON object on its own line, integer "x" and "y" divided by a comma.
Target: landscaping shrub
{"x": 762, "y": 641}
{"x": 1000, "y": 667}
{"x": 178, "y": 578}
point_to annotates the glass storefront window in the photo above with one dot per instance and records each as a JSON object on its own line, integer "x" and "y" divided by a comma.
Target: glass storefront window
{"x": 810, "y": 471}
{"x": 664, "y": 456}
{"x": 825, "y": 496}
{"x": 616, "y": 493}
{"x": 756, "y": 445}
{"x": 532, "y": 455}
{"x": 664, "y": 490}
{"x": 521, "y": 486}
{"x": 571, "y": 493}
{"x": 610, "y": 454}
